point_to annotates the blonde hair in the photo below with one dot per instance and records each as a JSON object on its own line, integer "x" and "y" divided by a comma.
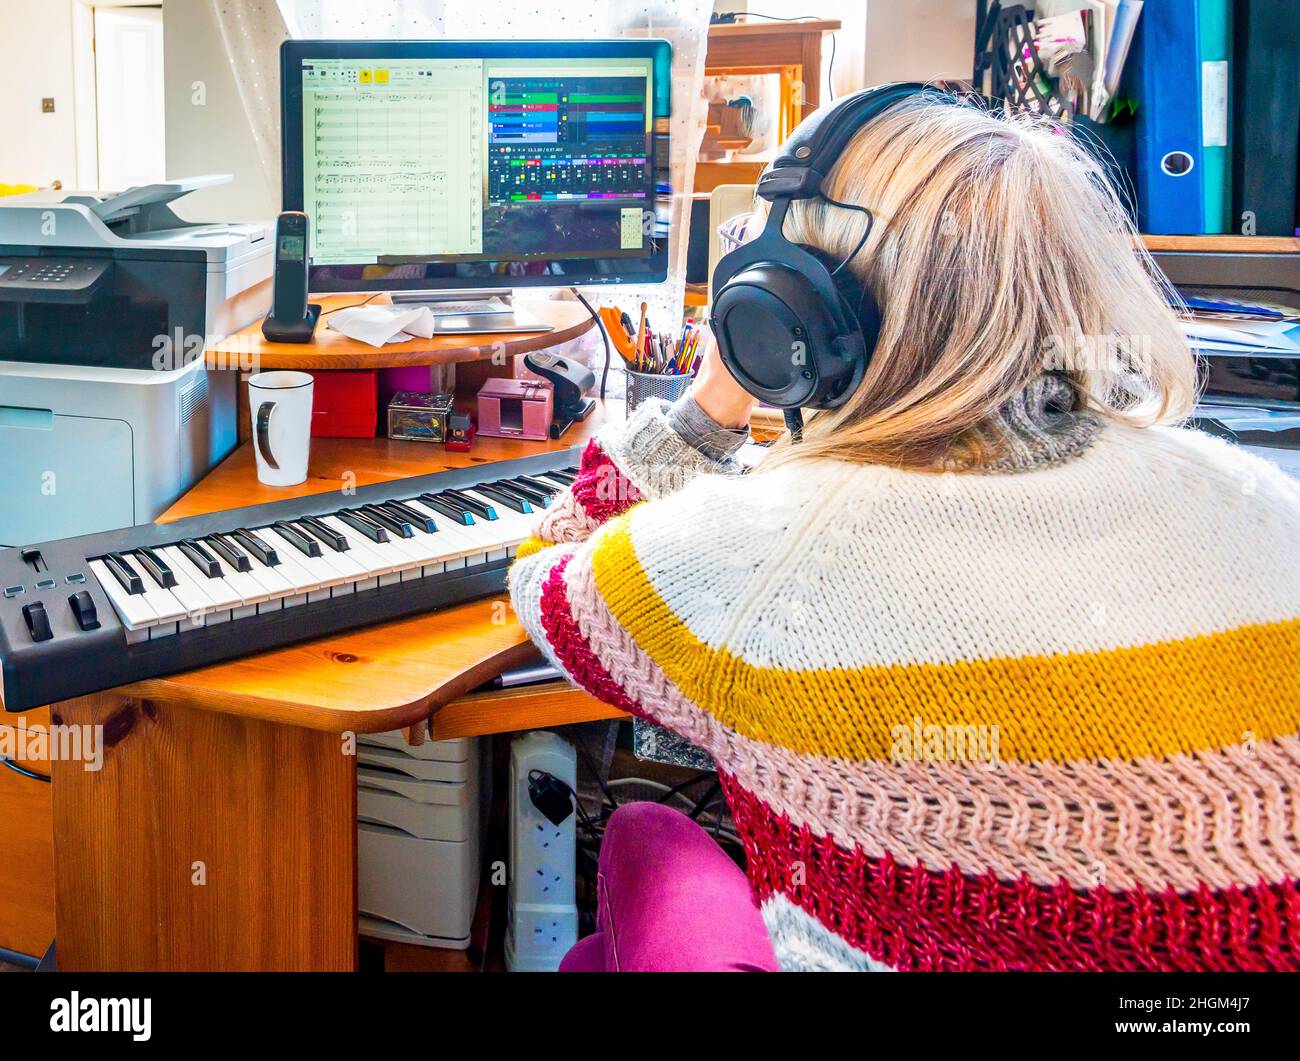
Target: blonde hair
{"x": 998, "y": 250}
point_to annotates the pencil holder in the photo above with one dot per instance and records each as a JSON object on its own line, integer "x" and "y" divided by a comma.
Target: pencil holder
{"x": 643, "y": 385}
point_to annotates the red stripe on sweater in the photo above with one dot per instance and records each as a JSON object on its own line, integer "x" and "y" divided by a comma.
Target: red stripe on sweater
{"x": 600, "y": 487}
{"x": 914, "y": 918}
{"x": 572, "y": 649}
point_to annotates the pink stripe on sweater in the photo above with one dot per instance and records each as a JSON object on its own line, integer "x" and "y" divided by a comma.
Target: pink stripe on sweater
{"x": 571, "y": 647}
{"x": 601, "y": 488}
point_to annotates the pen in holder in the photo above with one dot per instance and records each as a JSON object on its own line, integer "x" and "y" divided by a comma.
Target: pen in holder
{"x": 643, "y": 385}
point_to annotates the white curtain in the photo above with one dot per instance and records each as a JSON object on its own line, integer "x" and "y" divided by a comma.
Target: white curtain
{"x": 251, "y": 32}
{"x": 253, "y": 29}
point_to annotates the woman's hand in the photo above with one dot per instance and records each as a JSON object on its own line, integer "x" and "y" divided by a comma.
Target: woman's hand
{"x": 717, "y": 393}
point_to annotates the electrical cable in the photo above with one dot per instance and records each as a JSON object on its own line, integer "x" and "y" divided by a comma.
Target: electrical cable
{"x": 604, "y": 335}
{"x": 353, "y": 305}
{"x": 830, "y": 66}
{"x": 25, "y": 773}
{"x": 871, "y": 221}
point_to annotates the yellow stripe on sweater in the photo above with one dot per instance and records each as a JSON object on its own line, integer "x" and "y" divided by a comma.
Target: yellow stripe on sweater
{"x": 530, "y": 545}
{"x": 1189, "y": 695}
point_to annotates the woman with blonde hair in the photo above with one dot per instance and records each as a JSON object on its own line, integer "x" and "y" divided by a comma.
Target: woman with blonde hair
{"x": 998, "y": 667}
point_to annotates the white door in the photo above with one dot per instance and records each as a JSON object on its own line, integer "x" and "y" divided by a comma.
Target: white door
{"x": 129, "y": 96}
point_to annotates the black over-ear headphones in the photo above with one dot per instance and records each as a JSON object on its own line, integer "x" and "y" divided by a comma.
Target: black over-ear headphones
{"x": 795, "y": 329}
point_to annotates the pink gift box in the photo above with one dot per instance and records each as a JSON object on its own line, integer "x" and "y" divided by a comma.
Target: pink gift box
{"x": 514, "y": 408}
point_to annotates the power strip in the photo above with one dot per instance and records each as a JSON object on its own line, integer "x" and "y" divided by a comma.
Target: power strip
{"x": 542, "y": 917}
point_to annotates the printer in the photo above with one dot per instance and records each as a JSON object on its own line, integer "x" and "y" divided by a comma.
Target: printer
{"x": 108, "y": 412}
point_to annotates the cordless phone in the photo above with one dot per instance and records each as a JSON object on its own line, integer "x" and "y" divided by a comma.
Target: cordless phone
{"x": 292, "y": 318}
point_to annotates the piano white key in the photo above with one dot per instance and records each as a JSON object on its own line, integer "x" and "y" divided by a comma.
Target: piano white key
{"x": 131, "y": 608}
{"x": 199, "y": 606}
{"x": 408, "y": 554}
{"x": 165, "y": 604}
{"x": 456, "y": 544}
{"x": 251, "y": 588}
{"x": 348, "y": 566}
{"x": 379, "y": 569}
{"x": 505, "y": 532}
{"x": 273, "y": 584}
{"x": 316, "y": 566}
{"x": 506, "y": 516}
{"x": 223, "y": 595}
{"x": 218, "y": 608}
{"x": 368, "y": 554}
{"x": 301, "y": 579}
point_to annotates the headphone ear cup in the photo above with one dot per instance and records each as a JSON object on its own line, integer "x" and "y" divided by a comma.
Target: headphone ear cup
{"x": 860, "y": 317}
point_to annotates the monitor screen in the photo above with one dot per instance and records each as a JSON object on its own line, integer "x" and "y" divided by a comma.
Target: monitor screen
{"x": 478, "y": 164}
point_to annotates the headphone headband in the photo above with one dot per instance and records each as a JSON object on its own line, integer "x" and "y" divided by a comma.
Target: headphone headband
{"x": 798, "y": 172}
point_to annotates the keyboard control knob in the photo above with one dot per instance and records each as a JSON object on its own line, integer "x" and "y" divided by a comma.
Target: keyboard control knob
{"x": 83, "y": 608}
{"x": 38, "y": 623}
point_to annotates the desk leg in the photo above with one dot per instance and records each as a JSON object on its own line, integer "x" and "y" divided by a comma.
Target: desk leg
{"x": 206, "y": 841}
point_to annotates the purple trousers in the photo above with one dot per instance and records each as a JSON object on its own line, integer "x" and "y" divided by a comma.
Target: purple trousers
{"x": 669, "y": 900}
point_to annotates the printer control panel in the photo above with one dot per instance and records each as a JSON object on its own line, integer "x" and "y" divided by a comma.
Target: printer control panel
{"x": 45, "y": 278}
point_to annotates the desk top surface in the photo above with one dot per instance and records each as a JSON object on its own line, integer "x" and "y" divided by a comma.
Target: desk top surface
{"x": 334, "y": 350}
{"x": 375, "y": 678}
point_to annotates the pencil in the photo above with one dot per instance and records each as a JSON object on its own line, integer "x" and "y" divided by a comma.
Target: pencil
{"x": 641, "y": 335}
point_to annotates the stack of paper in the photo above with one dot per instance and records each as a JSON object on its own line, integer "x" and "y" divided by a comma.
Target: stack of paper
{"x": 1226, "y": 326}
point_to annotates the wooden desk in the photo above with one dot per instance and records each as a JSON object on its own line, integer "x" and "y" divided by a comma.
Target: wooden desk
{"x": 221, "y": 832}
{"x": 248, "y": 351}
{"x": 331, "y": 349}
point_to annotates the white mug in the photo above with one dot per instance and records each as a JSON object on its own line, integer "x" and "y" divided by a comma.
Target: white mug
{"x": 280, "y": 408}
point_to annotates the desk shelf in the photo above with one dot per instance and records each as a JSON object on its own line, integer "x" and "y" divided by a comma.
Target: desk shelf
{"x": 1247, "y": 267}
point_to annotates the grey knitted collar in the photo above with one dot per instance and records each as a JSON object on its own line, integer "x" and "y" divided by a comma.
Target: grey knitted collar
{"x": 1040, "y": 427}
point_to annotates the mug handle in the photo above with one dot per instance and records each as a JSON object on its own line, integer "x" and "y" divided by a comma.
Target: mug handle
{"x": 262, "y": 435}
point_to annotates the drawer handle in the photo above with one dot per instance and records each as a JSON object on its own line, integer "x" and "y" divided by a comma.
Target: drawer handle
{"x": 22, "y": 770}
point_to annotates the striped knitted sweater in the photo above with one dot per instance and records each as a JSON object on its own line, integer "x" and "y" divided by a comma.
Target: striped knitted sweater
{"x": 1042, "y": 720}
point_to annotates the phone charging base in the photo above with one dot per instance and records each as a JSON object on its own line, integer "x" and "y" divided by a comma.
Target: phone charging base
{"x": 565, "y": 418}
{"x": 298, "y": 331}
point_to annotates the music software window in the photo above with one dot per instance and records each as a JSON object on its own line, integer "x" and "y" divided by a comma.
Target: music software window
{"x": 388, "y": 160}
{"x": 449, "y": 158}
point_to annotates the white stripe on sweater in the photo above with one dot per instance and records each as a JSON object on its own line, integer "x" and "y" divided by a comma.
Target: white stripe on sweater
{"x": 1149, "y": 535}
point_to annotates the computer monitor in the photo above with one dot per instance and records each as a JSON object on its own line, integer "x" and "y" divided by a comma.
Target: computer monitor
{"x": 453, "y": 165}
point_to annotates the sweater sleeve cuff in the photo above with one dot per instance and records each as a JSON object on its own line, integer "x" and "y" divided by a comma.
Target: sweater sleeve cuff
{"x": 656, "y": 459}
{"x": 700, "y": 431}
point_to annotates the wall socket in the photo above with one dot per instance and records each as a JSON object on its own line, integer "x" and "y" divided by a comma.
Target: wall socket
{"x": 47, "y": 105}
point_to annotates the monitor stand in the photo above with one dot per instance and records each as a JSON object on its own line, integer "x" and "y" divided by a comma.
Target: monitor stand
{"x": 472, "y": 310}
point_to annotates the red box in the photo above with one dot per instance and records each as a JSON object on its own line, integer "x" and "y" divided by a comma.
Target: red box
{"x": 345, "y": 403}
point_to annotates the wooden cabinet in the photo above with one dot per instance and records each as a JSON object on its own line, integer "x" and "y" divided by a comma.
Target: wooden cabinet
{"x": 26, "y": 840}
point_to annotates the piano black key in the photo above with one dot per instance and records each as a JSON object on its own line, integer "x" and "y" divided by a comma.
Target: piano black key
{"x": 472, "y": 503}
{"x": 516, "y": 501}
{"x": 157, "y": 567}
{"x": 539, "y": 483}
{"x": 230, "y": 552}
{"x": 454, "y": 512}
{"x": 392, "y": 521}
{"x": 358, "y": 521}
{"x": 534, "y": 494}
{"x": 264, "y": 553}
{"x": 515, "y": 490}
{"x": 124, "y": 573}
{"x": 330, "y": 537}
{"x": 563, "y": 478}
{"x": 416, "y": 519}
{"x": 199, "y": 556}
{"x": 300, "y": 541}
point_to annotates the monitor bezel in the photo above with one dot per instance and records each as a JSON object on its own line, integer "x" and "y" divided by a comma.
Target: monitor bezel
{"x": 650, "y": 269}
